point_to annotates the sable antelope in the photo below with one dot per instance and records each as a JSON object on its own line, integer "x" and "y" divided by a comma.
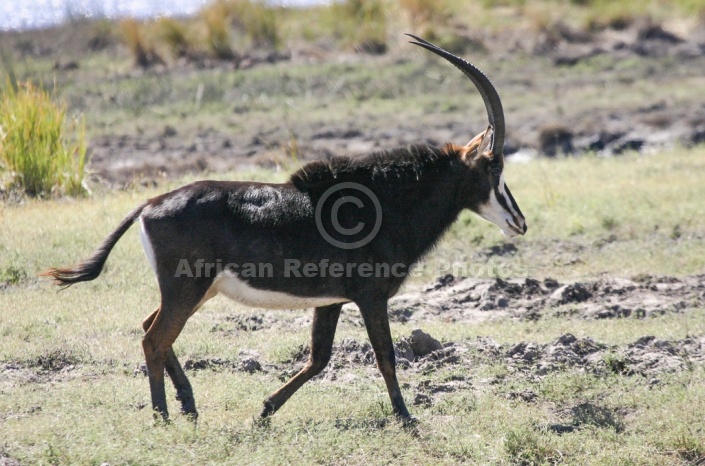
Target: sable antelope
{"x": 341, "y": 231}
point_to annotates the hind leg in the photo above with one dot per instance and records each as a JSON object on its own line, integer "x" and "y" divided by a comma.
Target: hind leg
{"x": 184, "y": 392}
{"x": 179, "y": 301}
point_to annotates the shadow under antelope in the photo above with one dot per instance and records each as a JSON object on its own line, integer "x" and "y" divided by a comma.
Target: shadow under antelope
{"x": 346, "y": 230}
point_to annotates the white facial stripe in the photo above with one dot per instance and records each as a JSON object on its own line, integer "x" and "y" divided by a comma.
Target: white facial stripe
{"x": 238, "y": 290}
{"x": 493, "y": 212}
{"x": 501, "y": 184}
{"x": 503, "y": 192}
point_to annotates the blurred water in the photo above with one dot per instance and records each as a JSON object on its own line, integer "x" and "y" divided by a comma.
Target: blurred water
{"x": 33, "y": 14}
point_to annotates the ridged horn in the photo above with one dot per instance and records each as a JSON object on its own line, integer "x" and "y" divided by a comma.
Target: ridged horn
{"x": 493, "y": 104}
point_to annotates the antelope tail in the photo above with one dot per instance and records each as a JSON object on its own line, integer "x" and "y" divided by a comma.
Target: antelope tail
{"x": 90, "y": 268}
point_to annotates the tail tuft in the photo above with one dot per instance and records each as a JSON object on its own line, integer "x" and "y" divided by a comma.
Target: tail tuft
{"x": 90, "y": 268}
{"x": 65, "y": 277}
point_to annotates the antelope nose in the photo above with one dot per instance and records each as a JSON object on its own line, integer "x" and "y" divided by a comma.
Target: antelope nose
{"x": 525, "y": 228}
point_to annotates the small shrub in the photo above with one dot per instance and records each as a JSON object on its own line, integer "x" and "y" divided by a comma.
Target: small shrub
{"x": 12, "y": 275}
{"x": 598, "y": 416}
{"x": 616, "y": 364}
{"x": 102, "y": 35}
{"x": 255, "y": 18}
{"x": 577, "y": 228}
{"x": 363, "y": 24}
{"x": 422, "y": 12}
{"x": 526, "y": 447}
{"x": 609, "y": 223}
{"x": 217, "y": 21}
{"x": 676, "y": 233}
{"x": 43, "y": 151}
{"x": 55, "y": 360}
{"x": 259, "y": 22}
{"x": 142, "y": 51}
{"x": 175, "y": 35}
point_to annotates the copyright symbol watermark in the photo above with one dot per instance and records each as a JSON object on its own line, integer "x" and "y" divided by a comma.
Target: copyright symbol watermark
{"x": 348, "y": 215}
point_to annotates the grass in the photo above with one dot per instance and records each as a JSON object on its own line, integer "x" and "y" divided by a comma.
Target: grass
{"x": 241, "y": 102}
{"x": 175, "y": 35}
{"x": 71, "y": 391}
{"x": 365, "y": 26}
{"x": 139, "y": 43}
{"x": 83, "y": 344}
{"x": 361, "y": 24}
{"x": 626, "y": 220}
{"x": 259, "y": 21}
{"x": 217, "y": 21}
{"x": 41, "y": 148}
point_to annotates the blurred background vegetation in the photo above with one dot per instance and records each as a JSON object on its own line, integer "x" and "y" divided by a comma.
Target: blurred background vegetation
{"x": 43, "y": 140}
{"x": 224, "y": 26}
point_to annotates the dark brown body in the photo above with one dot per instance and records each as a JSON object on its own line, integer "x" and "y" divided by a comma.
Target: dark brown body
{"x": 383, "y": 211}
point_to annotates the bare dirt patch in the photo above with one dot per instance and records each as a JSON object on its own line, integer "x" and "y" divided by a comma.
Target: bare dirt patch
{"x": 455, "y": 299}
{"x": 647, "y": 357}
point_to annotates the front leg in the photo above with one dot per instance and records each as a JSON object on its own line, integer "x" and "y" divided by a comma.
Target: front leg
{"x": 325, "y": 319}
{"x": 374, "y": 313}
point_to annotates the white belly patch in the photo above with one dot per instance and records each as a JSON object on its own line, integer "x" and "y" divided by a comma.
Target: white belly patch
{"x": 239, "y": 291}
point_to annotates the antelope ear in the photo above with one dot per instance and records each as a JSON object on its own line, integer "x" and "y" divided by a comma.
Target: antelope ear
{"x": 478, "y": 145}
{"x": 485, "y": 142}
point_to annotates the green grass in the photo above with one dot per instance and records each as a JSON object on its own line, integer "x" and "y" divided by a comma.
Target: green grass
{"x": 592, "y": 215}
{"x": 42, "y": 150}
{"x": 73, "y": 398}
{"x": 68, "y": 389}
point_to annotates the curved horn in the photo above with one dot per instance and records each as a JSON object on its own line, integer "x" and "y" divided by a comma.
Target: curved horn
{"x": 493, "y": 104}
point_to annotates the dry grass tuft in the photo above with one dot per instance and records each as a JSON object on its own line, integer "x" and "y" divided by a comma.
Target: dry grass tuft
{"x": 141, "y": 48}
{"x": 362, "y": 24}
{"x": 175, "y": 35}
{"x": 217, "y": 21}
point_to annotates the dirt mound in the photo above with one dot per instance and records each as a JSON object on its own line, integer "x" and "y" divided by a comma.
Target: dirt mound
{"x": 251, "y": 322}
{"x": 469, "y": 299}
{"x": 247, "y": 362}
{"x": 650, "y": 355}
{"x": 647, "y": 356}
{"x": 259, "y": 320}
{"x": 589, "y": 414}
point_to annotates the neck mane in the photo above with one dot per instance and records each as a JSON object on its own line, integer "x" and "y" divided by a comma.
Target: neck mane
{"x": 420, "y": 188}
{"x": 401, "y": 166}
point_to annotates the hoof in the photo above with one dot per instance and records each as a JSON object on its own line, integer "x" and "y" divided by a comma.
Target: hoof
{"x": 188, "y": 404}
{"x": 160, "y": 420}
{"x": 262, "y": 422}
{"x": 267, "y": 410}
{"x": 408, "y": 420}
{"x": 191, "y": 416}
{"x": 160, "y": 416}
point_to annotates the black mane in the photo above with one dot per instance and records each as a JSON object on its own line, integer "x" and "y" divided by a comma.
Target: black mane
{"x": 402, "y": 164}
